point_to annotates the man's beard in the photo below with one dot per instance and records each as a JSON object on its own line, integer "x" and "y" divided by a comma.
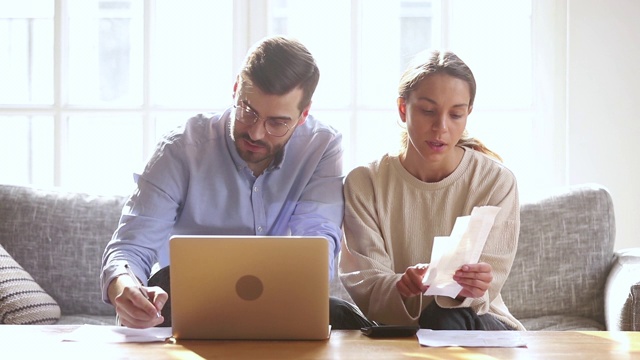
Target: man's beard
{"x": 254, "y": 158}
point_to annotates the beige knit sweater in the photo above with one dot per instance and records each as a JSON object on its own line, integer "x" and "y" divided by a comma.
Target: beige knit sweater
{"x": 391, "y": 219}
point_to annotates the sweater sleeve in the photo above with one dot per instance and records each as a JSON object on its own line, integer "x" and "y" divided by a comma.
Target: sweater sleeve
{"x": 499, "y": 250}
{"x": 366, "y": 269}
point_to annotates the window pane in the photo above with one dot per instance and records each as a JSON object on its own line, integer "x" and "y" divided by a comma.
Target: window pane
{"x": 102, "y": 153}
{"x": 494, "y": 38}
{"x": 378, "y": 134}
{"x": 374, "y": 134}
{"x": 512, "y": 141}
{"x": 417, "y": 32}
{"x": 381, "y": 51}
{"x": 385, "y": 50}
{"x": 26, "y": 150}
{"x": 26, "y": 52}
{"x": 314, "y": 23}
{"x": 497, "y": 47}
{"x": 378, "y": 68}
{"x": 192, "y": 56}
{"x": 105, "y": 52}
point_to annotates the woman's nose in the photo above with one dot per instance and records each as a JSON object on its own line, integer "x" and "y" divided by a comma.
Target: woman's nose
{"x": 440, "y": 123}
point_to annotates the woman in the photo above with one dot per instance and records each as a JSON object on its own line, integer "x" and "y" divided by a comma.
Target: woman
{"x": 398, "y": 204}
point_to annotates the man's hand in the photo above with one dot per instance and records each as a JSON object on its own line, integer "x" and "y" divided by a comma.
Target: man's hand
{"x": 410, "y": 284}
{"x": 475, "y": 279}
{"x": 133, "y": 308}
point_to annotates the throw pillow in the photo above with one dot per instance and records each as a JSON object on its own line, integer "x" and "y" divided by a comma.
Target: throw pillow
{"x": 22, "y": 300}
{"x": 631, "y": 311}
{"x": 635, "y": 290}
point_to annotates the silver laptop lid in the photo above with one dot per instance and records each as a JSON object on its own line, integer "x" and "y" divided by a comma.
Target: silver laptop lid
{"x": 249, "y": 287}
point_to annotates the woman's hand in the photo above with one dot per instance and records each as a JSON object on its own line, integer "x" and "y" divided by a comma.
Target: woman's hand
{"x": 410, "y": 284}
{"x": 475, "y": 279}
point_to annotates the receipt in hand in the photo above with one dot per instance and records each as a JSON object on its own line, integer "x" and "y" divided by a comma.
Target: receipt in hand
{"x": 463, "y": 246}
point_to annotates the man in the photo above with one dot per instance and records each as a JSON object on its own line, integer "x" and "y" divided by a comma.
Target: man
{"x": 262, "y": 167}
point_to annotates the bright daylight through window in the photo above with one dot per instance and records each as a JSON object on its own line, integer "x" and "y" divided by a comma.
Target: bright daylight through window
{"x": 87, "y": 87}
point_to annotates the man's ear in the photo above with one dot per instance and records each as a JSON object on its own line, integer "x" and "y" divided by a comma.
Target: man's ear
{"x": 305, "y": 113}
{"x": 402, "y": 108}
{"x": 470, "y": 108}
{"x": 235, "y": 89}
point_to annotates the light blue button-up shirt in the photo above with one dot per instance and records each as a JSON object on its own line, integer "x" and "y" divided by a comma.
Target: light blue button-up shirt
{"x": 196, "y": 183}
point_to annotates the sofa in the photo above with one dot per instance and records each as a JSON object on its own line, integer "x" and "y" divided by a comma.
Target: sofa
{"x": 566, "y": 274}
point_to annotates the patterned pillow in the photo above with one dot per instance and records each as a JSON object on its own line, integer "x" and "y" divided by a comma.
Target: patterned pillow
{"x": 630, "y": 317}
{"x": 22, "y": 300}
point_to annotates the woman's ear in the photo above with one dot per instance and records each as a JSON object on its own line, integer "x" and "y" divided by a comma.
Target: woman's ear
{"x": 402, "y": 108}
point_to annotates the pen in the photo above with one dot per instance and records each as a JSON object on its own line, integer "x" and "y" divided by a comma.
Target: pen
{"x": 139, "y": 284}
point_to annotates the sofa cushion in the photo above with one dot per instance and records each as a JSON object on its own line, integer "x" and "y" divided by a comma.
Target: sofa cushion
{"x": 565, "y": 251}
{"x": 561, "y": 323}
{"x": 59, "y": 236}
{"x": 22, "y": 300}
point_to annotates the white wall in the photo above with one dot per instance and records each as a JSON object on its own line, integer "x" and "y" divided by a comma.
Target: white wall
{"x": 603, "y": 97}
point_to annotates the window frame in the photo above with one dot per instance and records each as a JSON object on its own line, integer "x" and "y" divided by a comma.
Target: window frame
{"x": 251, "y": 23}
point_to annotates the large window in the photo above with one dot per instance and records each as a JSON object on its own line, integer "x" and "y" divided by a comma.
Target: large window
{"x": 87, "y": 87}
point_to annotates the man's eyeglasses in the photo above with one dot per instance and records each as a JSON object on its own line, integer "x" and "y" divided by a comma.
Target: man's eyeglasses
{"x": 274, "y": 127}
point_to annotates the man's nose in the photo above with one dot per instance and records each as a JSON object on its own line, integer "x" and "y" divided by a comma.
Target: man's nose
{"x": 257, "y": 131}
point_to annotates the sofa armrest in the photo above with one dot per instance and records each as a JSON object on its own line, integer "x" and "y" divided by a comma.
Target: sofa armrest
{"x": 622, "y": 292}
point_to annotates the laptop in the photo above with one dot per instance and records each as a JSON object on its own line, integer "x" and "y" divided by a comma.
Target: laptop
{"x": 249, "y": 287}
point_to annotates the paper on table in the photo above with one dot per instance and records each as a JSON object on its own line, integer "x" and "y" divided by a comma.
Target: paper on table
{"x": 463, "y": 246}
{"x": 117, "y": 334}
{"x": 462, "y": 338}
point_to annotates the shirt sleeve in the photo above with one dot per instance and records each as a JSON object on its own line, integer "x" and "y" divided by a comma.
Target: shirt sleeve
{"x": 320, "y": 209}
{"x": 147, "y": 217}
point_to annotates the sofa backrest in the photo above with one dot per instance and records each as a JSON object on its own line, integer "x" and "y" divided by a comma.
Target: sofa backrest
{"x": 59, "y": 237}
{"x": 565, "y": 251}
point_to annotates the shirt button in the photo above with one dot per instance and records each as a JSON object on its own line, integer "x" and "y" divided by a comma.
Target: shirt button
{"x": 255, "y": 189}
{"x": 259, "y": 228}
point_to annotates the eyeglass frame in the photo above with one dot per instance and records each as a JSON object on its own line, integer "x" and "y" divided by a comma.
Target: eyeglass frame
{"x": 248, "y": 109}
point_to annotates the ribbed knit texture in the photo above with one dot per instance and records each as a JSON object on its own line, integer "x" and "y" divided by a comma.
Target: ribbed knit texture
{"x": 391, "y": 219}
{"x": 22, "y": 300}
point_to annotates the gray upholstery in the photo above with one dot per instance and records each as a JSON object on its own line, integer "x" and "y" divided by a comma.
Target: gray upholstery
{"x": 563, "y": 274}
{"x": 58, "y": 237}
{"x": 565, "y": 251}
{"x": 566, "y": 275}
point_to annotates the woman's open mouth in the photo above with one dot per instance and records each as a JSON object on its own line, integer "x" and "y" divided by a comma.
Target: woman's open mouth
{"x": 436, "y": 145}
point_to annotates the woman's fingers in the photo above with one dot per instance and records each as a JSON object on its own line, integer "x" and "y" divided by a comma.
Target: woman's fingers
{"x": 410, "y": 283}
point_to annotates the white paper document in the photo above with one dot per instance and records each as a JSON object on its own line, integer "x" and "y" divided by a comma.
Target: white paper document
{"x": 117, "y": 334}
{"x": 463, "y": 338}
{"x": 463, "y": 246}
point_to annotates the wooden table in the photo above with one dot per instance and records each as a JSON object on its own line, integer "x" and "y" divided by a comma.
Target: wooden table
{"x": 33, "y": 341}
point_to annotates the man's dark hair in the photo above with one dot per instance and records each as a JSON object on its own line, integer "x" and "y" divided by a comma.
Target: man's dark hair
{"x": 278, "y": 65}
